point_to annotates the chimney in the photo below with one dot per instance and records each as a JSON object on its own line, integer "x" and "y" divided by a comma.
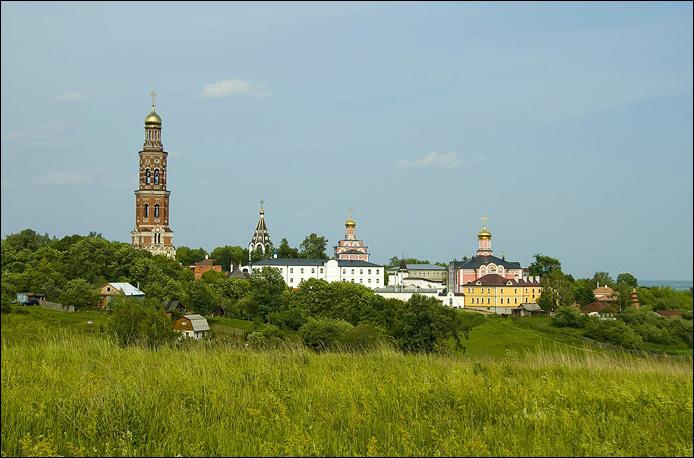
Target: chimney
{"x": 597, "y": 284}
{"x": 138, "y": 285}
{"x": 206, "y": 256}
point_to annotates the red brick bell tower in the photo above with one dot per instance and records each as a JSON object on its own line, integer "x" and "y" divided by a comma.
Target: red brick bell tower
{"x": 152, "y": 231}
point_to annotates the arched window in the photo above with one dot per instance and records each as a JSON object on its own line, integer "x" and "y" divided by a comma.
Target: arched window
{"x": 147, "y": 211}
{"x": 156, "y": 176}
{"x": 156, "y": 210}
{"x": 147, "y": 176}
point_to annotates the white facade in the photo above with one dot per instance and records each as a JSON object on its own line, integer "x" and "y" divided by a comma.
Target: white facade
{"x": 294, "y": 271}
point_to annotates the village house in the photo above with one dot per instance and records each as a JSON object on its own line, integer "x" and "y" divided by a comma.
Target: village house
{"x": 175, "y": 308}
{"x": 194, "y": 326}
{"x": 30, "y": 298}
{"x": 203, "y": 266}
{"x": 109, "y": 290}
{"x": 528, "y": 310}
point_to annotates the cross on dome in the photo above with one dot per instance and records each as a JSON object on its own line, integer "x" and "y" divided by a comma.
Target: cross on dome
{"x": 154, "y": 95}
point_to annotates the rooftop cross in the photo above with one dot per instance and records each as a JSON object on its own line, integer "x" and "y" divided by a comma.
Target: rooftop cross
{"x": 350, "y": 210}
{"x": 484, "y": 221}
{"x": 261, "y": 203}
{"x": 154, "y": 95}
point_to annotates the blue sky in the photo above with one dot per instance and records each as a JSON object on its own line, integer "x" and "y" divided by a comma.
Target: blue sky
{"x": 569, "y": 125}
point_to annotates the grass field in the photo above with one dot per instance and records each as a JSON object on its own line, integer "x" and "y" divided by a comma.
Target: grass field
{"x": 516, "y": 391}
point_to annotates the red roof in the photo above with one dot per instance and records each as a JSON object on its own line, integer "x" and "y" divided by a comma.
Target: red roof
{"x": 594, "y": 307}
{"x": 498, "y": 280}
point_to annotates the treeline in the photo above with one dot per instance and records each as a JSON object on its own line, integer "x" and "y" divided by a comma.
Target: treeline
{"x": 561, "y": 289}
{"x": 70, "y": 270}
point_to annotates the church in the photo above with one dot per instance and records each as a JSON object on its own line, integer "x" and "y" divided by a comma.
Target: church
{"x": 484, "y": 263}
{"x": 350, "y": 248}
{"x": 152, "y": 231}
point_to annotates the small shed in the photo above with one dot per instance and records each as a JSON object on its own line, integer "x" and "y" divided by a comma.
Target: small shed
{"x": 194, "y": 326}
{"x": 217, "y": 311}
{"x": 528, "y": 309}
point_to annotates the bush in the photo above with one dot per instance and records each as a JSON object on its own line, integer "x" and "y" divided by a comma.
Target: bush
{"x": 290, "y": 319}
{"x": 568, "y": 317}
{"x": 134, "y": 322}
{"x": 681, "y": 329}
{"x": 324, "y": 333}
{"x": 365, "y": 336}
{"x": 613, "y": 331}
{"x": 79, "y": 293}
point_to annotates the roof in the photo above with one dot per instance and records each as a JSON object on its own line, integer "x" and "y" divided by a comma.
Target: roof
{"x": 173, "y": 305}
{"x": 477, "y": 261}
{"x": 498, "y": 280}
{"x": 290, "y": 262}
{"x": 668, "y": 313}
{"x": 127, "y": 289}
{"x": 237, "y": 273}
{"x": 594, "y": 307}
{"x": 198, "y": 322}
{"x": 204, "y": 262}
{"x": 354, "y": 263}
{"x": 530, "y": 307}
{"x": 353, "y": 251}
{"x": 424, "y": 267}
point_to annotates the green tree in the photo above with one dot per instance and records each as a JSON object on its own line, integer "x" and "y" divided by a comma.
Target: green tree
{"x": 583, "y": 291}
{"x": 267, "y": 288}
{"x": 627, "y": 279}
{"x": 568, "y": 317}
{"x": 602, "y": 279}
{"x": 426, "y": 322}
{"x": 557, "y": 290}
{"x": 135, "y": 322}
{"x": 189, "y": 256}
{"x": 199, "y": 298}
{"x": 79, "y": 293}
{"x": 226, "y": 255}
{"x": 543, "y": 265}
{"x": 324, "y": 333}
{"x": 313, "y": 247}
{"x": 285, "y": 251}
{"x": 395, "y": 261}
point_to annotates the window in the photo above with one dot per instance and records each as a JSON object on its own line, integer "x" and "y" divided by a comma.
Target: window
{"x": 533, "y": 290}
{"x": 313, "y": 270}
{"x": 291, "y": 270}
{"x": 352, "y": 271}
{"x": 147, "y": 211}
{"x": 377, "y": 281}
{"x": 361, "y": 271}
{"x": 487, "y": 300}
{"x": 156, "y": 176}
{"x": 489, "y": 290}
{"x": 302, "y": 270}
{"x": 353, "y": 280}
{"x": 515, "y": 290}
{"x": 147, "y": 176}
{"x": 502, "y": 290}
{"x": 344, "y": 271}
{"x": 369, "y": 271}
{"x": 515, "y": 301}
{"x": 369, "y": 280}
{"x": 156, "y": 210}
{"x": 321, "y": 270}
{"x": 361, "y": 280}
{"x": 376, "y": 271}
{"x": 291, "y": 280}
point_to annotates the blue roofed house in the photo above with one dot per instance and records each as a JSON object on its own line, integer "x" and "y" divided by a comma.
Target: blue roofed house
{"x": 109, "y": 290}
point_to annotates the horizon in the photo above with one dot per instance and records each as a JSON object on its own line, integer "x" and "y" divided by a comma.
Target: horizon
{"x": 569, "y": 125}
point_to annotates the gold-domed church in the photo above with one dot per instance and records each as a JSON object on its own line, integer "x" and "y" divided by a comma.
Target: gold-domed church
{"x": 152, "y": 231}
{"x": 350, "y": 248}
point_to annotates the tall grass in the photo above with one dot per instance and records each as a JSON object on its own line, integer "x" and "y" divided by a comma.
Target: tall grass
{"x": 81, "y": 394}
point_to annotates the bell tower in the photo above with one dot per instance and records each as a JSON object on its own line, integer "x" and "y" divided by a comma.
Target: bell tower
{"x": 152, "y": 231}
{"x": 485, "y": 239}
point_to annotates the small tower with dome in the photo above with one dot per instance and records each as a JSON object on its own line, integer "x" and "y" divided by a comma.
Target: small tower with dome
{"x": 350, "y": 248}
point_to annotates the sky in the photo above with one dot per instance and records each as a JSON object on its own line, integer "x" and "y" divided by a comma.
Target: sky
{"x": 569, "y": 125}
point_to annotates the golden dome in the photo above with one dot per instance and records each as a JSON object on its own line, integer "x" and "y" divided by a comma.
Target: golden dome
{"x": 350, "y": 222}
{"x": 153, "y": 118}
{"x": 484, "y": 234}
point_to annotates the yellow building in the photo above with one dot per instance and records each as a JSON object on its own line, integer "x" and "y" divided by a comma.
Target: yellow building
{"x": 494, "y": 293}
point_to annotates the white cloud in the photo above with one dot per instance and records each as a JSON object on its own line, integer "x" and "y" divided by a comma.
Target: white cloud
{"x": 228, "y": 88}
{"x": 432, "y": 159}
{"x": 75, "y": 177}
{"x": 74, "y": 96}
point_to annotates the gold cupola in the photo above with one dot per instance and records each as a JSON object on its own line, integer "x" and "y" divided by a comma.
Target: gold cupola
{"x": 153, "y": 119}
{"x": 484, "y": 233}
{"x": 350, "y": 222}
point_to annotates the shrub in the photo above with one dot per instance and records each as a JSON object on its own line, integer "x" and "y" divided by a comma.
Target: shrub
{"x": 290, "y": 319}
{"x": 324, "y": 333}
{"x": 138, "y": 323}
{"x": 79, "y": 293}
{"x": 365, "y": 336}
{"x": 614, "y": 331}
{"x": 568, "y": 317}
{"x": 681, "y": 329}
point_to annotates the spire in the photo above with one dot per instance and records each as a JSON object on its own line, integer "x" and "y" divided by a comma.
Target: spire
{"x": 261, "y": 236}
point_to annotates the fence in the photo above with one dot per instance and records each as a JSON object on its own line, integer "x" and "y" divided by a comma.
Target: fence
{"x": 56, "y": 306}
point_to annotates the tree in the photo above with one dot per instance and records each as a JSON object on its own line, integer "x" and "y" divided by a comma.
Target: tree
{"x": 583, "y": 291}
{"x": 285, "y": 251}
{"x": 602, "y": 279}
{"x": 313, "y": 247}
{"x": 199, "y": 298}
{"x": 627, "y": 279}
{"x": 569, "y": 317}
{"x": 324, "y": 333}
{"x": 426, "y": 322}
{"x": 226, "y": 255}
{"x": 543, "y": 265}
{"x": 188, "y": 256}
{"x": 79, "y": 293}
{"x": 557, "y": 291}
{"x": 27, "y": 239}
{"x": 267, "y": 288}
{"x": 135, "y": 322}
{"x": 395, "y": 261}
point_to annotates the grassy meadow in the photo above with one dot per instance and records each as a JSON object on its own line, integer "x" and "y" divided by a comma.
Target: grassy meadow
{"x": 68, "y": 389}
